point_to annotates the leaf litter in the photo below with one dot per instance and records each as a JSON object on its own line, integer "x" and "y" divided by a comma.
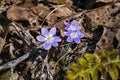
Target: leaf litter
{"x": 21, "y": 22}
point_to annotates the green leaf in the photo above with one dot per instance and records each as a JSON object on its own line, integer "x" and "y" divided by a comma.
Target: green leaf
{"x": 94, "y": 74}
{"x": 86, "y": 76}
{"x": 83, "y": 62}
{"x": 68, "y": 48}
{"x": 90, "y": 57}
{"x": 102, "y": 57}
{"x": 70, "y": 75}
{"x": 75, "y": 67}
{"x": 111, "y": 54}
{"x": 118, "y": 64}
{"x": 114, "y": 72}
{"x": 90, "y": 65}
{"x": 104, "y": 73}
{"x": 79, "y": 78}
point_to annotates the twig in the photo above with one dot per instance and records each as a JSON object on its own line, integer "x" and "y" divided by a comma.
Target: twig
{"x": 45, "y": 63}
{"x": 13, "y": 63}
{"x": 61, "y": 59}
{"x": 52, "y": 12}
{"x": 23, "y": 35}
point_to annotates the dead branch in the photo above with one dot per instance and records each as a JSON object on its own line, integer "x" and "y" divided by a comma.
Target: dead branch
{"x": 13, "y": 63}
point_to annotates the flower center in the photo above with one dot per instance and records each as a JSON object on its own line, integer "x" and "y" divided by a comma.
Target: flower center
{"x": 73, "y": 35}
{"x": 72, "y": 27}
{"x": 49, "y": 38}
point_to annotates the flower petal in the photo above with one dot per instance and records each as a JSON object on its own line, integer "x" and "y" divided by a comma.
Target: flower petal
{"x": 78, "y": 27}
{"x": 40, "y": 38}
{"x": 77, "y": 40}
{"x": 67, "y": 33}
{"x": 69, "y": 39}
{"x": 66, "y": 24}
{"x": 80, "y": 35}
{"x": 47, "y": 46}
{"x": 73, "y": 23}
{"x": 66, "y": 28}
{"x": 53, "y": 31}
{"x": 44, "y": 31}
{"x": 55, "y": 44}
{"x": 57, "y": 39}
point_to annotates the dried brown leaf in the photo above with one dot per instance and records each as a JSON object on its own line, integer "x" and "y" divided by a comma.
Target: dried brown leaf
{"x": 19, "y": 13}
{"x": 106, "y": 15}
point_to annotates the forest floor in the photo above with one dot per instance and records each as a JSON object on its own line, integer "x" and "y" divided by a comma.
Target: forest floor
{"x": 22, "y": 56}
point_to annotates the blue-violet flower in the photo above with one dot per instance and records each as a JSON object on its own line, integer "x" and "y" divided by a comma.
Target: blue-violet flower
{"x": 72, "y": 26}
{"x": 49, "y": 38}
{"x": 74, "y": 36}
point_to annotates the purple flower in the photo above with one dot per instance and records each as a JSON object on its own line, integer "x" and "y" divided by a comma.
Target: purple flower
{"x": 74, "y": 36}
{"x": 73, "y": 33}
{"x": 49, "y": 38}
{"x": 72, "y": 26}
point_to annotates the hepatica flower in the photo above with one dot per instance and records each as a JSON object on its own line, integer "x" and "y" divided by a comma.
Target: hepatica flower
{"x": 74, "y": 36}
{"x": 73, "y": 32}
{"x": 49, "y": 38}
{"x": 72, "y": 26}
